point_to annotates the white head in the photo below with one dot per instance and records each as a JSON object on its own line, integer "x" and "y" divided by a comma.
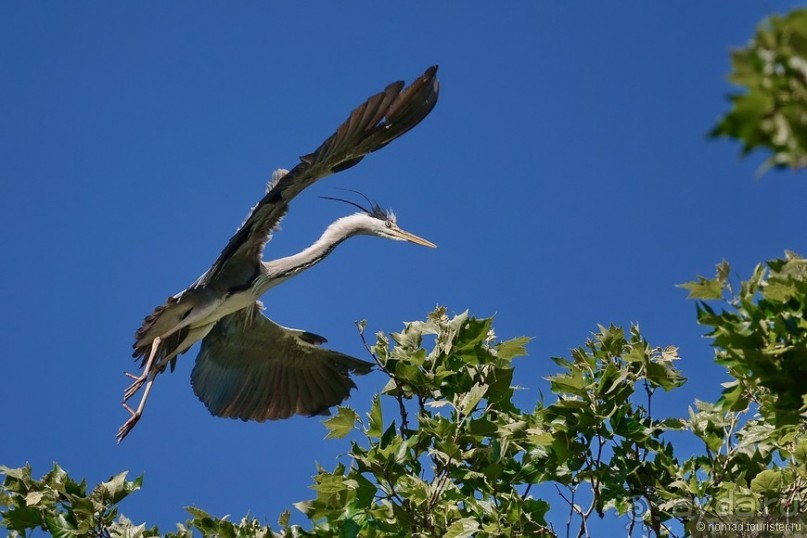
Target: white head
{"x": 376, "y": 221}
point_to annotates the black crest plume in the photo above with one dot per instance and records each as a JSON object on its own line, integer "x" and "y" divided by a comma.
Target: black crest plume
{"x": 375, "y": 210}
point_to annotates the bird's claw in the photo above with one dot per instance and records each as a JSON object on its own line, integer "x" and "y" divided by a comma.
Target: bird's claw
{"x": 134, "y": 387}
{"x": 124, "y": 430}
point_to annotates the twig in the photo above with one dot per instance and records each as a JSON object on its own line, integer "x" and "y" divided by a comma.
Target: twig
{"x": 572, "y": 509}
{"x": 398, "y": 391}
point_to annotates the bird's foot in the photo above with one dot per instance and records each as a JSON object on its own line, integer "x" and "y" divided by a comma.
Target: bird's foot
{"x": 134, "y": 387}
{"x": 124, "y": 430}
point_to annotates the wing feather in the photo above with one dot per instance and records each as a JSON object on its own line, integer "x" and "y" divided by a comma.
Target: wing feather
{"x": 371, "y": 126}
{"x": 253, "y": 369}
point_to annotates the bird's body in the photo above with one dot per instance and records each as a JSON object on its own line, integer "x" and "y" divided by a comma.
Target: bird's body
{"x": 248, "y": 366}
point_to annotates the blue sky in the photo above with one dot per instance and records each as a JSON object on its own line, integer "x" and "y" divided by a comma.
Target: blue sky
{"x": 564, "y": 174}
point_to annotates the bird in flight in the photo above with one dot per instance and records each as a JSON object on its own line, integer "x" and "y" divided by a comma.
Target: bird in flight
{"x": 249, "y": 367}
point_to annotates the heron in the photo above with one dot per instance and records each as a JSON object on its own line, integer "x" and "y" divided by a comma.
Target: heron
{"x": 248, "y": 367}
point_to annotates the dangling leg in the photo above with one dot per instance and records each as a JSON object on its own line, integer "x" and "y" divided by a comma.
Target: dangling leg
{"x": 150, "y": 372}
{"x": 139, "y": 380}
{"x": 129, "y": 424}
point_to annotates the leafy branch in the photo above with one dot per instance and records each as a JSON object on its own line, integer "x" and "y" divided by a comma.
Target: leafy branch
{"x": 772, "y": 111}
{"x": 466, "y": 463}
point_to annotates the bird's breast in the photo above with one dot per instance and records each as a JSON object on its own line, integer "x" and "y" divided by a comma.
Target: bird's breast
{"x": 233, "y": 302}
{"x": 214, "y": 310}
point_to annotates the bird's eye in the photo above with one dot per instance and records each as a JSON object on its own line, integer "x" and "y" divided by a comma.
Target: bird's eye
{"x": 388, "y": 224}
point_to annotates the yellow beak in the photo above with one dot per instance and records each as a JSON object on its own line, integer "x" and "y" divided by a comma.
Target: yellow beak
{"x": 412, "y": 238}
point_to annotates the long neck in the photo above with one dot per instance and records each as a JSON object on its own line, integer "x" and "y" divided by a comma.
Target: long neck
{"x": 277, "y": 271}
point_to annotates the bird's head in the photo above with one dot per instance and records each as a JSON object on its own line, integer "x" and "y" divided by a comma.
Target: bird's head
{"x": 380, "y": 222}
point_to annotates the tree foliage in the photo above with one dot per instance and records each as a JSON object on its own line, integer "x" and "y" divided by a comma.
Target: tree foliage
{"x": 772, "y": 111}
{"x": 760, "y": 335}
{"x": 444, "y": 450}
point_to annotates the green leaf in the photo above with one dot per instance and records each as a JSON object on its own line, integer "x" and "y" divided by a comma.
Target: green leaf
{"x": 342, "y": 423}
{"x": 18, "y": 473}
{"x": 34, "y": 497}
{"x": 571, "y": 383}
{"x": 537, "y": 509}
{"x": 713, "y": 441}
{"x": 390, "y": 434}
{"x": 468, "y": 401}
{"x": 780, "y": 290}
{"x": 59, "y": 526}
{"x": 117, "y": 488}
{"x": 197, "y": 513}
{"x": 513, "y": 348}
{"x": 481, "y": 426}
{"x": 673, "y": 424}
{"x": 329, "y": 484}
{"x": 664, "y": 375}
{"x": 472, "y": 333}
{"x": 22, "y": 518}
{"x": 365, "y": 493}
{"x": 703, "y": 288}
{"x": 375, "y": 419}
{"x": 767, "y": 482}
{"x": 306, "y": 507}
{"x": 462, "y": 528}
{"x": 733, "y": 397}
{"x": 350, "y": 529}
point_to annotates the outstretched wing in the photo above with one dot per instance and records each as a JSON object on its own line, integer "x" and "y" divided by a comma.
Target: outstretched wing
{"x": 253, "y": 369}
{"x": 374, "y": 124}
